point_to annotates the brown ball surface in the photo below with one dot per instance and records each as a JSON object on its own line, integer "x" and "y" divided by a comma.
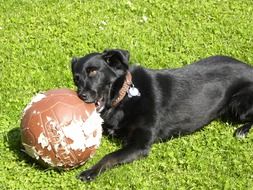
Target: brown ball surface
{"x": 60, "y": 130}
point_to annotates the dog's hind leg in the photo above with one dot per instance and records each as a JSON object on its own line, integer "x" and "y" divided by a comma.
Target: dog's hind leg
{"x": 243, "y": 131}
{"x": 240, "y": 109}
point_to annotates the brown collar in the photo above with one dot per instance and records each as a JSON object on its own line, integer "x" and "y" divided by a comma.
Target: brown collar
{"x": 124, "y": 89}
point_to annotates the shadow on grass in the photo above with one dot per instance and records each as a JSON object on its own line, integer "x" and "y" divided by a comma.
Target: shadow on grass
{"x": 13, "y": 139}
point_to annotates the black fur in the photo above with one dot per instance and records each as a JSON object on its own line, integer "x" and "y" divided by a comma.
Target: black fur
{"x": 172, "y": 103}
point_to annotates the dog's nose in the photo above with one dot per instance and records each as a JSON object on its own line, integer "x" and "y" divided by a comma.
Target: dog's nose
{"x": 83, "y": 96}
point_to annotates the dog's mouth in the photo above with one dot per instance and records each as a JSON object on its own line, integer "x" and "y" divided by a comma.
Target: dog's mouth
{"x": 100, "y": 104}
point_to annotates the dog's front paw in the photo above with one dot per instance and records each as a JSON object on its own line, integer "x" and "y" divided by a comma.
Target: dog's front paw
{"x": 87, "y": 175}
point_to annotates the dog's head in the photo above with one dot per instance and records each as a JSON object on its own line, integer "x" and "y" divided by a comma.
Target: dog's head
{"x": 95, "y": 73}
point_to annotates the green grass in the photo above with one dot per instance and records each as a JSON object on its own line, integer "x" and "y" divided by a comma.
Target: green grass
{"x": 37, "y": 41}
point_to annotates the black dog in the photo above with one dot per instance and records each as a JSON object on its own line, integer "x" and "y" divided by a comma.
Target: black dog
{"x": 142, "y": 106}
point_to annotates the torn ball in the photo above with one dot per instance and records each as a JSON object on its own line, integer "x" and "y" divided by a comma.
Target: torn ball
{"x": 59, "y": 130}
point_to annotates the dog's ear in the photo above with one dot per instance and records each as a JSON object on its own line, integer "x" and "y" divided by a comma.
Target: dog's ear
{"x": 73, "y": 63}
{"x": 117, "y": 59}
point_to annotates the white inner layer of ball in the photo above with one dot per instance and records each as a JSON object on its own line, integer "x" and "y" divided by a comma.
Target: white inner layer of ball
{"x": 35, "y": 99}
{"x": 83, "y": 137}
{"x": 80, "y": 132}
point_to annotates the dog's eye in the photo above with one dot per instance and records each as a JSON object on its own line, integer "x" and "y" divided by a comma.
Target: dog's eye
{"x": 92, "y": 72}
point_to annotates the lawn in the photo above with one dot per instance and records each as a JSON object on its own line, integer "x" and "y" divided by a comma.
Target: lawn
{"x": 38, "y": 39}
